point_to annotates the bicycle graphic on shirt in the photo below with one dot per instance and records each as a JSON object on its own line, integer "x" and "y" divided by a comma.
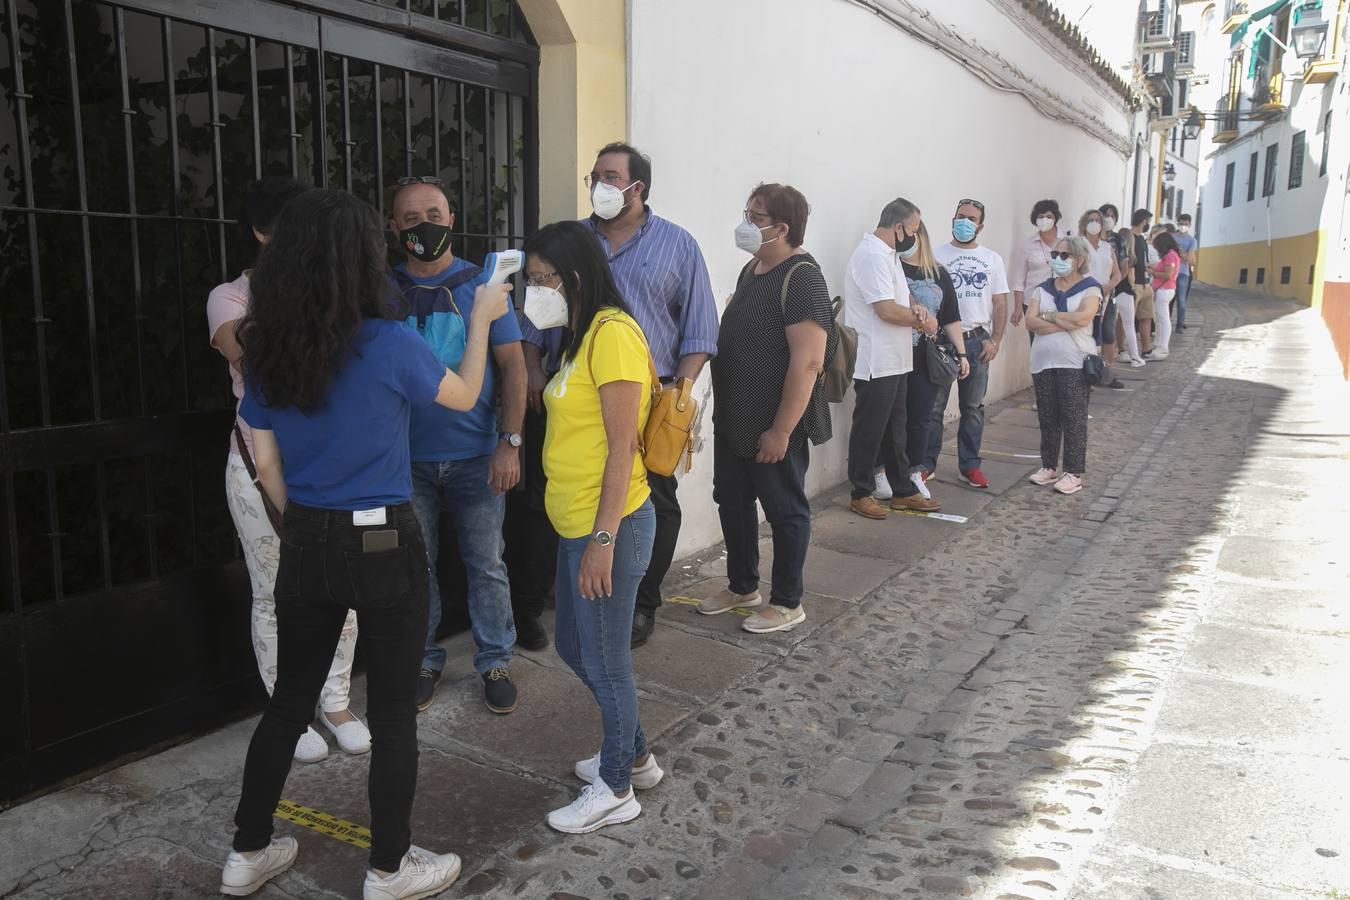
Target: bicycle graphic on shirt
{"x": 968, "y": 275}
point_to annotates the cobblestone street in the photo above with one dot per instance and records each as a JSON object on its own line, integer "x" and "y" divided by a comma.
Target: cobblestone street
{"x": 1134, "y": 692}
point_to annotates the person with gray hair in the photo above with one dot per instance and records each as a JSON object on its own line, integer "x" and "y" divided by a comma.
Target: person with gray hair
{"x": 877, "y": 304}
{"x": 1060, "y": 314}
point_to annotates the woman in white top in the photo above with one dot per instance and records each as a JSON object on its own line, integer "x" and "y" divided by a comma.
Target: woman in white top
{"x": 1031, "y": 262}
{"x": 1060, "y": 313}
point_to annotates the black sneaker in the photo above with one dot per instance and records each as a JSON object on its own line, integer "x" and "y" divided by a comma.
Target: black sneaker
{"x": 427, "y": 680}
{"x": 530, "y": 635}
{"x": 1116, "y": 384}
{"x": 643, "y": 625}
{"x": 499, "y": 692}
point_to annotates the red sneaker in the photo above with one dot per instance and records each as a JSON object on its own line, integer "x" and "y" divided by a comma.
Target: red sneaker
{"x": 928, "y": 474}
{"x": 974, "y": 478}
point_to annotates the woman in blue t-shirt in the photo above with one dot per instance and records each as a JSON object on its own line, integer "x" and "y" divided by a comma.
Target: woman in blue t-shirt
{"x": 329, "y": 384}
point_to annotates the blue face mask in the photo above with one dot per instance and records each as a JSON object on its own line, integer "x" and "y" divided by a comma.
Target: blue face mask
{"x": 1061, "y": 267}
{"x": 964, "y": 230}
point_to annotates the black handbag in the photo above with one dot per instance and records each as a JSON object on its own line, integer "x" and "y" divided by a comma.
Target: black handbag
{"x": 1094, "y": 367}
{"x": 940, "y": 361}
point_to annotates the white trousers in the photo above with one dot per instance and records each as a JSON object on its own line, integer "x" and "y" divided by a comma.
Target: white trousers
{"x": 1125, "y": 307}
{"x": 1162, "y": 317}
{"x": 262, "y": 554}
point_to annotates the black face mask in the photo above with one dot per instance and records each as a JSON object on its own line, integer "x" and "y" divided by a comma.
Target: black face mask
{"x": 904, "y": 243}
{"x": 426, "y": 241}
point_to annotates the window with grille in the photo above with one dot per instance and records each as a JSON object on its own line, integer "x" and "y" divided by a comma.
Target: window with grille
{"x": 1272, "y": 163}
{"x": 1186, "y": 48}
{"x": 1285, "y": 274}
{"x": 1297, "y": 149}
{"x": 1260, "y": 275}
{"x": 1251, "y": 176}
{"x": 1228, "y": 177}
{"x": 1242, "y": 276}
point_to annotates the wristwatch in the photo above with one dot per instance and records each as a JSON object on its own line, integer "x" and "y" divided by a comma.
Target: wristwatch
{"x": 511, "y": 438}
{"x": 603, "y": 538}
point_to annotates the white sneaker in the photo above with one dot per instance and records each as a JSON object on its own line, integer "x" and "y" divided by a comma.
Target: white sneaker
{"x": 311, "y": 747}
{"x": 725, "y": 601}
{"x": 1159, "y": 354}
{"x": 420, "y": 874}
{"x": 644, "y": 777}
{"x": 883, "y": 489}
{"x": 1069, "y": 484}
{"x": 351, "y": 736}
{"x": 1044, "y": 476}
{"x": 242, "y": 875}
{"x": 595, "y": 807}
{"x": 1137, "y": 363}
{"x": 917, "y": 478}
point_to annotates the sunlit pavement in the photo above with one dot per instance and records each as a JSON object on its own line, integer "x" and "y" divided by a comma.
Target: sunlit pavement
{"x": 1134, "y": 692}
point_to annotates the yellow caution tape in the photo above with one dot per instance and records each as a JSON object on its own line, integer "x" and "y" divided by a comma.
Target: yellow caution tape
{"x": 323, "y": 823}
{"x": 690, "y": 601}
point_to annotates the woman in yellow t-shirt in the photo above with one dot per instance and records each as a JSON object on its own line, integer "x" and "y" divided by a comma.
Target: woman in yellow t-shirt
{"x": 598, "y": 501}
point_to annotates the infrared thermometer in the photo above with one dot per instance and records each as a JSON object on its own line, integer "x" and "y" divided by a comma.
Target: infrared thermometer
{"x": 502, "y": 265}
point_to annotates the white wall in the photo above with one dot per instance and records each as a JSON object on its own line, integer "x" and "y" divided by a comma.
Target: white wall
{"x": 824, "y": 95}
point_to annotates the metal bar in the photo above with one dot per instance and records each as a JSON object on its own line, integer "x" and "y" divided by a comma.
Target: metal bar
{"x": 530, "y": 155}
{"x": 347, "y": 142}
{"x": 510, "y": 164}
{"x": 217, "y": 164}
{"x": 82, "y": 191}
{"x": 489, "y": 173}
{"x": 253, "y": 105}
{"x": 100, "y": 214}
{"x": 463, "y": 200}
{"x": 373, "y": 45}
{"x": 317, "y": 102}
{"x": 294, "y": 139}
{"x": 407, "y": 124}
{"x": 377, "y": 100}
{"x": 137, "y": 298}
{"x": 175, "y": 210}
{"x": 435, "y": 128}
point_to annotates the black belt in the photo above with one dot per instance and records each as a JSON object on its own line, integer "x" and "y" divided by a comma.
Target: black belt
{"x": 975, "y": 332}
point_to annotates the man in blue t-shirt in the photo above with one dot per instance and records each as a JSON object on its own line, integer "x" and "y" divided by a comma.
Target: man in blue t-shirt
{"x": 1188, "y": 246}
{"x": 463, "y": 463}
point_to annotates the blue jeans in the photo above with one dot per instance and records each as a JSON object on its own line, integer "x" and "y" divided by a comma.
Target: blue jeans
{"x": 970, "y": 398}
{"x": 1183, "y": 292}
{"x": 460, "y": 487}
{"x": 594, "y": 637}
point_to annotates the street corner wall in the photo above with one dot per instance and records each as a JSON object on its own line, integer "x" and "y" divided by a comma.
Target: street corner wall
{"x": 828, "y": 97}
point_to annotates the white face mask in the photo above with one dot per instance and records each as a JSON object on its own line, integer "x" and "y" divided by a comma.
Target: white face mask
{"x": 1110, "y": 224}
{"x": 909, "y": 252}
{"x": 750, "y": 238}
{"x": 545, "y": 307}
{"x": 607, "y": 200}
{"x": 1045, "y": 223}
{"x": 1184, "y": 229}
{"x": 1094, "y": 227}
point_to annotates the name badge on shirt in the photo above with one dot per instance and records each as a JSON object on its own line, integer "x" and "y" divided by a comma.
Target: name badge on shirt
{"x": 369, "y": 516}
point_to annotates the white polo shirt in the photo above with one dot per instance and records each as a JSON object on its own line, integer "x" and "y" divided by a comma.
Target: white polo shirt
{"x": 1100, "y": 259}
{"x": 874, "y": 274}
{"x": 977, "y": 274}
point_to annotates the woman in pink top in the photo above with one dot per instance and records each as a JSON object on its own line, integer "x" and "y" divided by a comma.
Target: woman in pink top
{"x": 262, "y": 548}
{"x": 1164, "y": 289}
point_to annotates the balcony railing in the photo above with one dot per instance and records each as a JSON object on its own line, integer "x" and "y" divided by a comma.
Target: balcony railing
{"x": 1235, "y": 13}
{"x": 1226, "y": 121}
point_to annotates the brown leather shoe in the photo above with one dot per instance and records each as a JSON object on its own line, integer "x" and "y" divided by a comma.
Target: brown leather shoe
{"x": 868, "y": 508}
{"x": 915, "y": 502}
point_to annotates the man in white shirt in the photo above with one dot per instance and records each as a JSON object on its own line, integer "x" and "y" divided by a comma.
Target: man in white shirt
{"x": 982, "y": 290}
{"x": 876, "y": 303}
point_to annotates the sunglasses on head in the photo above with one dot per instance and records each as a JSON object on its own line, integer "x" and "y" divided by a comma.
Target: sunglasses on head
{"x": 975, "y": 203}
{"x": 1060, "y": 254}
{"x": 420, "y": 179}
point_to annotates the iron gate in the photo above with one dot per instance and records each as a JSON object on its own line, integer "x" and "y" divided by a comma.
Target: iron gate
{"x": 129, "y": 131}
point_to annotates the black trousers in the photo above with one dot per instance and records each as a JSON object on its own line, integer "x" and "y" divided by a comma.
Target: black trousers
{"x": 668, "y": 518}
{"x": 879, "y": 433}
{"x": 781, "y": 489}
{"x": 324, "y": 572}
{"x": 1062, "y": 407}
{"x": 531, "y": 543}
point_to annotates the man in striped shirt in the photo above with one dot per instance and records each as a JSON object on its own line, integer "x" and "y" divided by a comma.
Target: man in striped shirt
{"x": 660, "y": 272}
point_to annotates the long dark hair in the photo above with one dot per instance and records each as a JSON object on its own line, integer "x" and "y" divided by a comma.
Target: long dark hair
{"x": 572, "y": 249}
{"x": 263, "y": 202}
{"x": 319, "y": 278}
{"x": 1164, "y": 243}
